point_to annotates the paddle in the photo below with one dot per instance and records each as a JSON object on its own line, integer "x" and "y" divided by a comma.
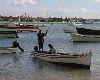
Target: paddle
{"x": 49, "y": 27}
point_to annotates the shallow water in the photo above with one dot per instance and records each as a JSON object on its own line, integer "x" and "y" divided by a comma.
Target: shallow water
{"x": 21, "y": 66}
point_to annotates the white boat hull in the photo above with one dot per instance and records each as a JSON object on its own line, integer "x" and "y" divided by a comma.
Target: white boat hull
{"x": 7, "y": 50}
{"x": 85, "y": 38}
{"x": 82, "y": 59}
{"x": 69, "y": 31}
{"x": 75, "y": 24}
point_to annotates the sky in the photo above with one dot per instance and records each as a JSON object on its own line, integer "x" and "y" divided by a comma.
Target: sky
{"x": 51, "y": 8}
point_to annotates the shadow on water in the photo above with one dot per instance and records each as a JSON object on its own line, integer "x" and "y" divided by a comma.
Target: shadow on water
{"x": 22, "y": 67}
{"x": 60, "y": 65}
{"x": 52, "y": 71}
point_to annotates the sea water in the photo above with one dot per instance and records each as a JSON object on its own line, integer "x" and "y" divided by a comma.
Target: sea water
{"x": 21, "y": 65}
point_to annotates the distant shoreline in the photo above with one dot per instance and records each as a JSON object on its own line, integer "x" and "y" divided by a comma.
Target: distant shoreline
{"x": 47, "y": 22}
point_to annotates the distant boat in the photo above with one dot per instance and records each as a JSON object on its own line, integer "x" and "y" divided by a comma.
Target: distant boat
{"x": 85, "y": 31}
{"x": 72, "y": 23}
{"x": 75, "y": 23}
{"x": 69, "y": 31}
{"x": 8, "y": 34}
{"x": 86, "y": 35}
{"x": 19, "y": 27}
{"x": 68, "y": 58}
{"x": 7, "y": 50}
{"x": 89, "y": 21}
{"x": 84, "y": 38}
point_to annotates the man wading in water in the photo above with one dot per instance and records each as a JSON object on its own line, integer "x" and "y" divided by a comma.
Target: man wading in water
{"x": 16, "y": 44}
{"x": 41, "y": 39}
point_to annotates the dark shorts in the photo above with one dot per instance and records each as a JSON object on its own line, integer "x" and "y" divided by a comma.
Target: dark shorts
{"x": 41, "y": 45}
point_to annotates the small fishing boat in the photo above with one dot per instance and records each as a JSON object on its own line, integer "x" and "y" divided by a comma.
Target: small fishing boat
{"x": 7, "y": 50}
{"x": 84, "y": 38}
{"x": 85, "y": 31}
{"x": 8, "y": 34}
{"x": 19, "y": 27}
{"x": 86, "y": 35}
{"x": 69, "y": 58}
{"x": 75, "y": 23}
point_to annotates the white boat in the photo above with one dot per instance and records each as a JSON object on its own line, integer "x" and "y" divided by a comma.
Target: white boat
{"x": 75, "y": 24}
{"x": 84, "y": 38}
{"x": 70, "y": 30}
{"x": 7, "y": 50}
{"x": 69, "y": 58}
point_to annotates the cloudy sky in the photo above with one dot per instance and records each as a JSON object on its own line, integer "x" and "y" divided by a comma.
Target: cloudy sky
{"x": 46, "y": 8}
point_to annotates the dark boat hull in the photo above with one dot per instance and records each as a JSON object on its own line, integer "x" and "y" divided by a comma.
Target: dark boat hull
{"x": 85, "y": 31}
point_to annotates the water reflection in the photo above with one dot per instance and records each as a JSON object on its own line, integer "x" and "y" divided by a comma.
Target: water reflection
{"x": 21, "y": 66}
{"x": 26, "y": 68}
{"x": 50, "y": 71}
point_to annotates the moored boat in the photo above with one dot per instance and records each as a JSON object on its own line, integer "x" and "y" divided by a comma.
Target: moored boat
{"x": 8, "y": 34}
{"x": 7, "y": 50}
{"x": 86, "y": 35}
{"x": 69, "y": 58}
{"x": 19, "y": 27}
{"x": 69, "y": 30}
{"x": 85, "y": 31}
{"x": 84, "y": 38}
{"x": 75, "y": 23}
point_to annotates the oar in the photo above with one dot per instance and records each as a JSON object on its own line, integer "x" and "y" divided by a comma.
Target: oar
{"x": 49, "y": 27}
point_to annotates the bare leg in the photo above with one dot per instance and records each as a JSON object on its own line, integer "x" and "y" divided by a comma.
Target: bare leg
{"x": 42, "y": 47}
{"x": 39, "y": 47}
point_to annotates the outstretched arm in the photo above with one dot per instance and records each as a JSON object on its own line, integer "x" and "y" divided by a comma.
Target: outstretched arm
{"x": 46, "y": 33}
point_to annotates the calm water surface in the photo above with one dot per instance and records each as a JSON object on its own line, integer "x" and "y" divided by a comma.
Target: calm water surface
{"x": 22, "y": 66}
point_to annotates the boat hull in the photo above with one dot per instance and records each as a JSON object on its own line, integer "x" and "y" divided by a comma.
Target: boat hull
{"x": 85, "y": 31}
{"x": 8, "y": 34}
{"x": 85, "y": 38}
{"x": 82, "y": 59}
{"x": 69, "y": 31}
{"x": 7, "y": 50}
{"x": 19, "y": 27}
{"x": 75, "y": 24}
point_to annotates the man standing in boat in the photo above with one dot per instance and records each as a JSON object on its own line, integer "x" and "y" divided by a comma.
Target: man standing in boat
{"x": 41, "y": 39}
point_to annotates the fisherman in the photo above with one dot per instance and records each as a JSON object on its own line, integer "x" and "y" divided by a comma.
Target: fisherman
{"x": 16, "y": 44}
{"x": 52, "y": 49}
{"x": 41, "y": 39}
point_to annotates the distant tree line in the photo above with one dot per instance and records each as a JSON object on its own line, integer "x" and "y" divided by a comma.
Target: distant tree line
{"x": 23, "y": 18}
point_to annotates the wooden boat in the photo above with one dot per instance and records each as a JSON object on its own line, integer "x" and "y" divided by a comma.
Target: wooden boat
{"x": 85, "y": 31}
{"x": 19, "y": 27}
{"x": 84, "y": 38}
{"x": 8, "y": 34}
{"x": 25, "y": 28}
{"x": 7, "y": 50}
{"x": 70, "y": 58}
